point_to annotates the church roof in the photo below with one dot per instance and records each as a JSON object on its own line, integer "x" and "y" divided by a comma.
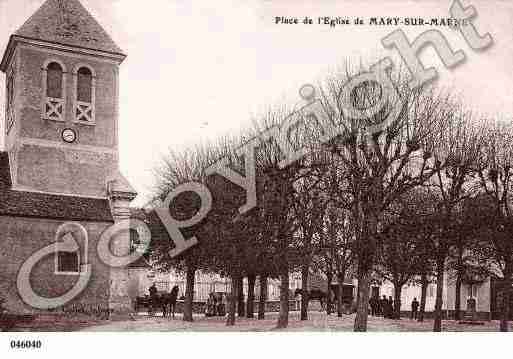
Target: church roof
{"x": 67, "y": 22}
{"x": 40, "y": 205}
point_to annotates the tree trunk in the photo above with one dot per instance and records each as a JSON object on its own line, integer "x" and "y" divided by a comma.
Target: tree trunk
{"x": 397, "y": 300}
{"x": 240, "y": 297}
{"x": 304, "y": 295}
{"x": 232, "y": 301}
{"x": 459, "y": 275}
{"x": 329, "y": 279}
{"x": 263, "y": 297}
{"x": 506, "y": 298}
{"x": 283, "y": 319}
{"x": 440, "y": 267}
{"x": 366, "y": 250}
{"x": 250, "y": 310}
{"x": 423, "y": 296}
{"x": 340, "y": 302}
{"x": 457, "y": 299}
{"x": 362, "y": 302}
{"x": 189, "y": 294}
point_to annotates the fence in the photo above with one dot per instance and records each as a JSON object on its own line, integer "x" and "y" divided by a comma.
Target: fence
{"x": 204, "y": 285}
{"x": 202, "y": 289}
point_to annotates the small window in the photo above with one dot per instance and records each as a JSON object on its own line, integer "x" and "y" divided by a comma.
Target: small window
{"x": 9, "y": 109}
{"x": 54, "y": 75}
{"x": 71, "y": 242}
{"x": 472, "y": 291}
{"x": 84, "y": 110}
{"x": 68, "y": 262}
{"x": 84, "y": 85}
{"x": 54, "y": 81}
{"x": 10, "y": 90}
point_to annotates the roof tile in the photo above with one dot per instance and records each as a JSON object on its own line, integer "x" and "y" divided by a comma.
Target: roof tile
{"x": 68, "y": 22}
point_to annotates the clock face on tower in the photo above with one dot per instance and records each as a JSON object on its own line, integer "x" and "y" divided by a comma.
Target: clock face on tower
{"x": 69, "y": 135}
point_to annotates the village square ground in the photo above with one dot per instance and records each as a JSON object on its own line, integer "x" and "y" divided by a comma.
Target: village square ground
{"x": 318, "y": 322}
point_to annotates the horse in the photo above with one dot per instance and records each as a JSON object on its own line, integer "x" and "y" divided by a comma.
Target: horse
{"x": 314, "y": 294}
{"x": 163, "y": 301}
{"x": 169, "y": 300}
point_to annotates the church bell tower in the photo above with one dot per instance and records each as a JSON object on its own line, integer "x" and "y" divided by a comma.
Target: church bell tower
{"x": 61, "y": 124}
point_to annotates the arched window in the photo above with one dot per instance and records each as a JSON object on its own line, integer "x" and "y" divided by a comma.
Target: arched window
{"x": 54, "y": 79}
{"x": 10, "y": 113}
{"x": 85, "y": 98}
{"x": 72, "y": 247}
{"x": 84, "y": 85}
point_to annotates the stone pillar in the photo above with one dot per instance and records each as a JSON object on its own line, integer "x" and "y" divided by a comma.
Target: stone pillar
{"x": 120, "y": 195}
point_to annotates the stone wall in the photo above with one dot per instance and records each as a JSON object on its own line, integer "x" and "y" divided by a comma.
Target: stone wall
{"x": 31, "y": 87}
{"x": 44, "y": 162}
{"x": 22, "y": 237}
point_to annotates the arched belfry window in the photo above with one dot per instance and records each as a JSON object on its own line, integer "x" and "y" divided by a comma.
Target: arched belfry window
{"x": 54, "y": 79}
{"x": 10, "y": 113}
{"x": 84, "y": 85}
{"x": 84, "y": 111}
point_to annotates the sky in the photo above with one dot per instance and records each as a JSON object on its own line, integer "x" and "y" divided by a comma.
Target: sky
{"x": 200, "y": 69}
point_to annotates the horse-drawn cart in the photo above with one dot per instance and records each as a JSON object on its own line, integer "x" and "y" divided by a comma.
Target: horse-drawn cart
{"x": 322, "y": 296}
{"x": 162, "y": 300}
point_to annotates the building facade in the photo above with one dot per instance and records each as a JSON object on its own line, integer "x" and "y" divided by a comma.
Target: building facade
{"x": 481, "y": 293}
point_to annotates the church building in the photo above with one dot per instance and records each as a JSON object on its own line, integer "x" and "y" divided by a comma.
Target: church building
{"x": 59, "y": 174}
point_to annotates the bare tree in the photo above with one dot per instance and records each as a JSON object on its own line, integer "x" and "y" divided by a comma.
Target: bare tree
{"x": 338, "y": 232}
{"x": 177, "y": 169}
{"x": 462, "y": 261}
{"x": 496, "y": 174}
{"x": 384, "y": 164}
{"x": 309, "y": 209}
{"x": 457, "y": 155}
{"x": 418, "y": 222}
{"x": 282, "y": 191}
{"x": 220, "y": 244}
{"x": 400, "y": 260}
